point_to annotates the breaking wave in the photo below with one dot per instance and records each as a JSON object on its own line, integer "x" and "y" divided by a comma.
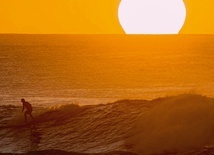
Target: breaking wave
{"x": 177, "y": 124}
{"x": 172, "y": 124}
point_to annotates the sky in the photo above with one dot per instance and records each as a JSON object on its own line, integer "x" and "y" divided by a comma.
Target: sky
{"x": 87, "y": 17}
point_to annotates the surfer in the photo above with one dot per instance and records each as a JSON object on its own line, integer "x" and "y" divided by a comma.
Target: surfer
{"x": 29, "y": 108}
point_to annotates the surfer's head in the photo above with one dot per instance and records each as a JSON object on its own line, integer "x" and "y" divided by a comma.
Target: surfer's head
{"x": 23, "y": 100}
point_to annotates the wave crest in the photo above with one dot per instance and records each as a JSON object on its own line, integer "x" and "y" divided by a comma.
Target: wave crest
{"x": 59, "y": 114}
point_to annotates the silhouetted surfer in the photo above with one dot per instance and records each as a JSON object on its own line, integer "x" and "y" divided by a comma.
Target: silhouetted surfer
{"x": 29, "y": 108}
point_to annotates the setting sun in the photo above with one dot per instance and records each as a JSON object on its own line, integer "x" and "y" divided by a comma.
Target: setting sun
{"x": 101, "y": 16}
{"x": 152, "y": 16}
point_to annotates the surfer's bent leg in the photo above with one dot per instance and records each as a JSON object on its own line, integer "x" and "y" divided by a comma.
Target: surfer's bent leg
{"x": 25, "y": 116}
{"x": 29, "y": 113}
{"x": 31, "y": 116}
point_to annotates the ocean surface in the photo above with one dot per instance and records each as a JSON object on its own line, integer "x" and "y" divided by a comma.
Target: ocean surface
{"x": 107, "y": 93}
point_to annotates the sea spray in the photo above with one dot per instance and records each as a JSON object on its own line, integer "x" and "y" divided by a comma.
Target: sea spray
{"x": 178, "y": 124}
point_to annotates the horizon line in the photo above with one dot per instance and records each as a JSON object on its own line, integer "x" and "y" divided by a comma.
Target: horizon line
{"x": 106, "y": 34}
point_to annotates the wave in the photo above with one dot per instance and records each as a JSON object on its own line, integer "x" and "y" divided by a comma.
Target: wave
{"x": 177, "y": 124}
{"x": 59, "y": 152}
{"x": 180, "y": 123}
{"x": 205, "y": 151}
{"x": 57, "y": 114}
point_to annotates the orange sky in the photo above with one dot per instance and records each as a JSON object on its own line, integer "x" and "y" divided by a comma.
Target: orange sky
{"x": 87, "y": 16}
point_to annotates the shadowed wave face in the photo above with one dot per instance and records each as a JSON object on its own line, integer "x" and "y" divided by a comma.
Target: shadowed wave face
{"x": 172, "y": 124}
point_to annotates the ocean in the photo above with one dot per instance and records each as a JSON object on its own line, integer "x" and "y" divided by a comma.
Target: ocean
{"x": 89, "y": 93}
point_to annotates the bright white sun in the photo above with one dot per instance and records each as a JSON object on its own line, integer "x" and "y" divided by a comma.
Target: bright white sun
{"x": 152, "y": 16}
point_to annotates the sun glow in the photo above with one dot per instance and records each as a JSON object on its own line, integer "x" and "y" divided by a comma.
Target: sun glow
{"x": 152, "y": 16}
